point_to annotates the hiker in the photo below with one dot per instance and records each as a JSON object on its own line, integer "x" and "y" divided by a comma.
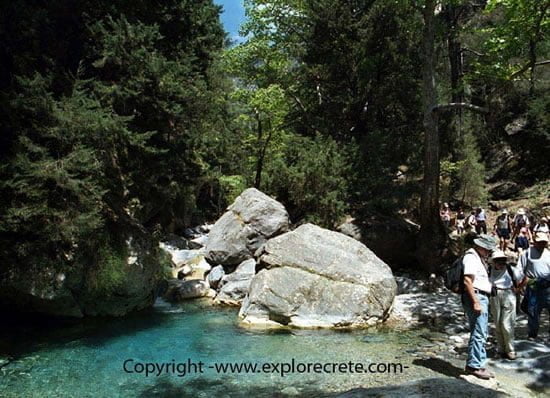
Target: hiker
{"x": 445, "y": 215}
{"x": 535, "y": 266}
{"x": 503, "y": 303}
{"x": 542, "y": 226}
{"x": 481, "y": 225}
{"x": 521, "y": 221}
{"x": 460, "y": 221}
{"x": 471, "y": 221}
{"x": 522, "y": 241}
{"x": 503, "y": 229}
{"x": 475, "y": 300}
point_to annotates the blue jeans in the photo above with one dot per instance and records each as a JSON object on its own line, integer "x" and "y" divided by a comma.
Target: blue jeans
{"x": 533, "y": 317}
{"x": 479, "y": 330}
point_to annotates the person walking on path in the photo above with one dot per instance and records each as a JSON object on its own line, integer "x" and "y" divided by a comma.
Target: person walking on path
{"x": 481, "y": 221}
{"x": 445, "y": 215}
{"x": 535, "y": 266}
{"x": 503, "y": 229}
{"x": 542, "y": 226}
{"x": 503, "y": 303}
{"x": 521, "y": 221}
{"x": 471, "y": 222}
{"x": 475, "y": 300}
{"x": 460, "y": 221}
{"x": 522, "y": 241}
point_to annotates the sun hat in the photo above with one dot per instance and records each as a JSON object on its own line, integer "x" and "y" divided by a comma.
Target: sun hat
{"x": 521, "y": 211}
{"x": 485, "y": 241}
{"x": 541, "y": 237}
{"x": 498, "y": 254}
{"x": 544, "y": 219}
{"x": 504, "y": 211}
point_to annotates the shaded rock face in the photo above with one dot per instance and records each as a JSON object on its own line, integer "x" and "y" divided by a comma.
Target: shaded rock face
{"x": 501, "y": 161}
{"x": 177, "y": 290}
{"x": 505, "y": 190}
{"x": 313, "y": 277}
{"x": 69, "y": 294}
{"x": 235, "y": 286}
{"x": 393, "y": 240}
{"x": 249, "y": 222}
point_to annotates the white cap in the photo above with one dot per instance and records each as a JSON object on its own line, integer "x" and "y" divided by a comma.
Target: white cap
{"x": 498, "y": 254}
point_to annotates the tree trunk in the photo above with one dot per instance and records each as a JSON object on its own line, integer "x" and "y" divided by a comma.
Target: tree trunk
{"x": 260, "y": 159}
{"x": 432, "y": 237}
{"x": 454, "y": 49}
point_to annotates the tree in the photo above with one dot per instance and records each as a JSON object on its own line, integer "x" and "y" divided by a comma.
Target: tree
{"x": 518, "y": 36}
{"x": 109, "y": 113}
{"x": 432, "y": 237}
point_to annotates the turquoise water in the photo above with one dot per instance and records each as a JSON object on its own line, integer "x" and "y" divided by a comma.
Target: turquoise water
{"x": 86, "y": 359}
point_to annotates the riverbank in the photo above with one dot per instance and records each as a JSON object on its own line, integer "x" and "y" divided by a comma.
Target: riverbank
{"x": 75, "y": 360}
{"x": 441, "y": 311}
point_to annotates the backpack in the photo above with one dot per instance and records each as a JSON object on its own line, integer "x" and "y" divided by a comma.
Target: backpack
{"x": 454, "y": 276}
{"x": 521, "y": 221}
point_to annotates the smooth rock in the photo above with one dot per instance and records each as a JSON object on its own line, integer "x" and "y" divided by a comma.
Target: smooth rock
{"x": 235, "y": 286}
{"x": 314, "y": 277}
{"x": 189, "y": 290}
{"x": 215, "y": 276}
{"x": 249, "y": 222}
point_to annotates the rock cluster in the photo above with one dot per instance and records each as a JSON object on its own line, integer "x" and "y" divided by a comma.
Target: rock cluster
{"x": 310, "y": 277}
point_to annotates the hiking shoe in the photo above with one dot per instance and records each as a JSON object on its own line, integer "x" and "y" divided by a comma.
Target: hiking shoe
{"x": 510, "y": 355}
{"x": 479, "y": 373}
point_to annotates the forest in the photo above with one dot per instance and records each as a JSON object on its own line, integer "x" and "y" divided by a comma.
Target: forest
{"x": 125, "y": 119}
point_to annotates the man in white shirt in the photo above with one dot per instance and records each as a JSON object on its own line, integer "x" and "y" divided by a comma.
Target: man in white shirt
{"x": 481, "y": 224}
{"x": 535, "y": 266}
{"x": 503, "y": 303}
{"x": 475, "y": 300}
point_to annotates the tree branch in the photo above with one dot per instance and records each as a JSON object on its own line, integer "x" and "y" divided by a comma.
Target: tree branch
{"x": 466, "y": 49}
{"x": 527, "y": 66}
{"x": 459, "y": 105}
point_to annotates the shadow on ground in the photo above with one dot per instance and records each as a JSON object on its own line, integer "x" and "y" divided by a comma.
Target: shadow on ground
{"x": 226, "y": 388}
{"x": 425, "y": 388}
{"x": 439, "y": 366}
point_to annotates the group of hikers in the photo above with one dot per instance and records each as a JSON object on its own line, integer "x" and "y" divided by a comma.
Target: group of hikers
{"x": 491, "y": 282}
{"x": 516, "y": 229}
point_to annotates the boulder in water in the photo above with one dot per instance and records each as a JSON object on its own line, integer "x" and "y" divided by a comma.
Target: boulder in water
{"x": 234, "y": 286}
{"x": 184, "y": 290}
{"x": 249, "y": 222}
{"x": 313, "y": 277}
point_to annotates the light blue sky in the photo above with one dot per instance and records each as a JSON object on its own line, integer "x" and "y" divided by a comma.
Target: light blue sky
{"x": 232, "y": 16}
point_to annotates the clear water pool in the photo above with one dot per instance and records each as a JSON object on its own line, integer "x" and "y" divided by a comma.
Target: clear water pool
{"x": 86, "y": 359}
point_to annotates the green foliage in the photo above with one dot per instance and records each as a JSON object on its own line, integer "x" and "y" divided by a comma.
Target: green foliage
{"x": 165, "y": 268}
{"x": 109, "y": 272}
{"x": 109, "y": 114}
{"x": 52, "y": 187}
{"x": 514, "y": 39}
{"x": 471, "y": 172}
{"x": 231, "y": 187}
{"x": 311, "y": 179}
{"x": 334, "y": 69}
